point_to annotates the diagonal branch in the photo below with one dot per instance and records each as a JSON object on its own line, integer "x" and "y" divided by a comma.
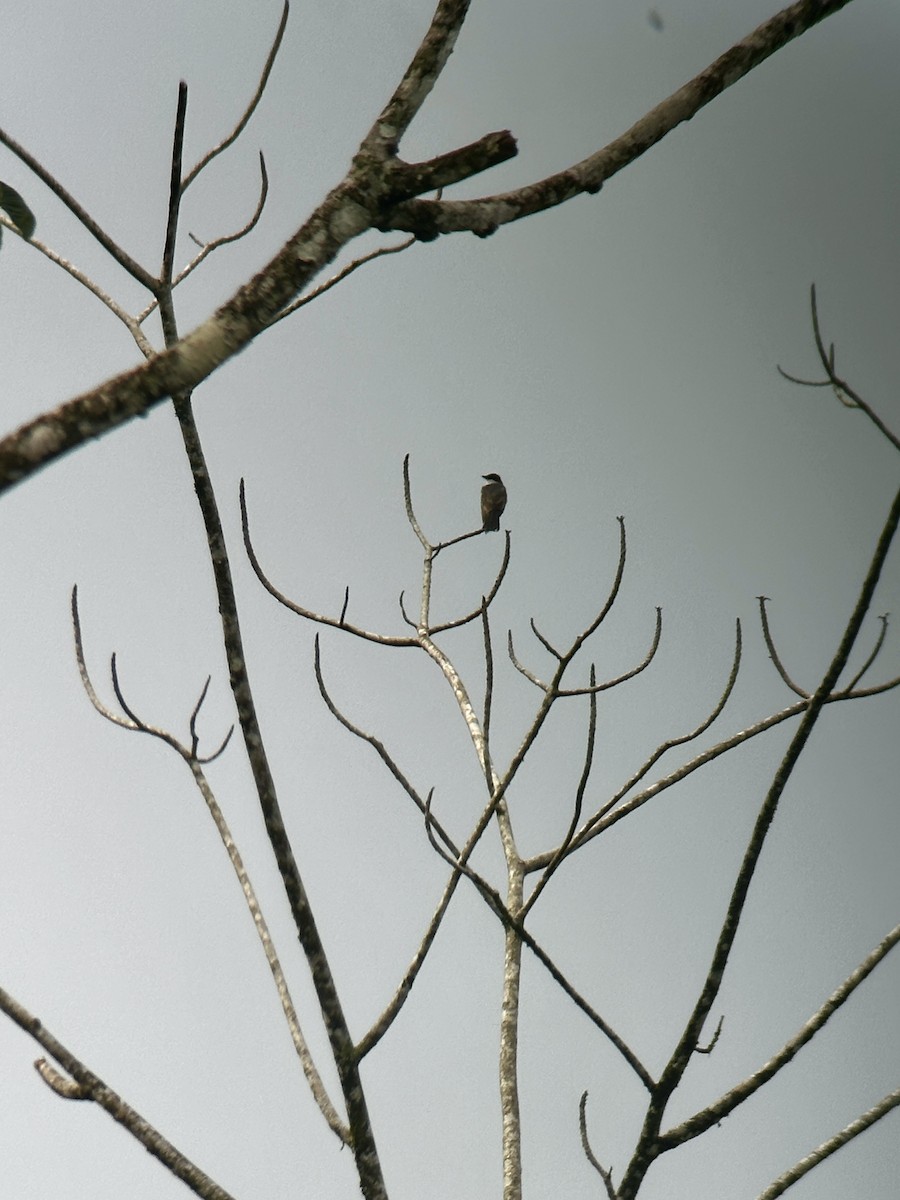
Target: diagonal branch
{"x": 88, "y": 1086}
{"x": 566, "y": 843}
{"x": 495, "y": 902}
{"x": 847, "y": 1134}
{"x": 715, "y": 1112}
{"x": 112, "y": 248}
{"x": 429, "y": 218}
{"x": 648, "y": 1146}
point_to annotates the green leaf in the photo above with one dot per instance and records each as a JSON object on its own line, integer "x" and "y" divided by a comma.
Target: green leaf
{"x": 17, "y": 210}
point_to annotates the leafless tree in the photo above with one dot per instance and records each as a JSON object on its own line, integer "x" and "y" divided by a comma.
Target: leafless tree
{"x": 382, "y": 192}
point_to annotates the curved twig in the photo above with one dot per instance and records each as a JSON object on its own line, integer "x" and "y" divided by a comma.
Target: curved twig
{"x": 564, "y": 845}
{"x": 671, "y": 743}
{"x": 605, "y": 1175}
{"x": 844, "y": 392}
{"x": 544, "y": 642}
{"x": 207, "y": 248}
{"x": 249, "y": 110}
{"x": 882, "y": 634}
{"x": 611, "y": 683}
{"x": 486, "y": 601}
{"x": 320, "y": 618}
{"x": 520, "y": 666}
{"x": 408, "y": 505}
{"x": 773, "y": 653}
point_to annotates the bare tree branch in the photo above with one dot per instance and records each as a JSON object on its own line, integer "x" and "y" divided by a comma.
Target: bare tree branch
{"x": 341, "y": 275}
{"x": 249, "y": 110}
{"x": 826, "y": 357}
{"x": 429, "y": 218}
{"x": 88, "y": 1086}
{"x": 132, "y": 324}
{"x": 773, "y": 653}
{"x": 495, "y": 901}
{"x": 141, "y": 274}
{"x": 358, "y": 203}
{"x": 882, "y": 634}
{"x": 418, "y": 79}
{"x": 319, "y": 618}
{"x": 649, "y": 1145}
{"x": 847, "y": 1134}
{"x": 727, "y": 1103}
{"x": 133, "y": 722}
{"x": 604, "y": 1174}
{"x": 564, "y": 845}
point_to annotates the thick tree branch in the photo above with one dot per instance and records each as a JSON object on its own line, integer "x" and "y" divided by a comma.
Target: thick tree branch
{"x": 356, "y": 204}
{"x": 429, "y": 218}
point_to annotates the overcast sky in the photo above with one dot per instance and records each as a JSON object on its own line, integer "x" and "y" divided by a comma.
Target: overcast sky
{"x": 616, "y": 356}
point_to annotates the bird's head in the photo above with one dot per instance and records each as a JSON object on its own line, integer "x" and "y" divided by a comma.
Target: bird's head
{"x": 493, "y": 478}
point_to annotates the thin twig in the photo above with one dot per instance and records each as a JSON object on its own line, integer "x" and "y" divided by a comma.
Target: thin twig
{"x": 132, "y": 324}
{"x": 175, "y": 191}
{"x": 215, "y": 244}
{"x": 773, "y": 653}
{"x": 604, "y": 1174}
{"x": 319, "y": 618}
{"x": 882, "y": 634}
{"x": 495, "y": 902}
{"x": 564, "y": 845}
{"x": 249, "y": 110}
{"x": 124, "y": 260}
{"x": 341, "y": 275}
{"x": 136, "y": 723}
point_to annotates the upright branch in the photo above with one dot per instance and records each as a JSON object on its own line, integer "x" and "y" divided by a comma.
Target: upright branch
{"x": 650, "y": 1144}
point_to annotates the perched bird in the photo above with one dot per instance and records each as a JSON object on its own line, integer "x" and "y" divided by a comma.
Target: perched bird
{"x": 493, "y": 502}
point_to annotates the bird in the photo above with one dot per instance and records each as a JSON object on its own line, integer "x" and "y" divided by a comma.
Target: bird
{"x": 493, "y": 502}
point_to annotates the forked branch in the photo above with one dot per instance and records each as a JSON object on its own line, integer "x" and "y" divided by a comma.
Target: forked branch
{"x": 133, "y": 722}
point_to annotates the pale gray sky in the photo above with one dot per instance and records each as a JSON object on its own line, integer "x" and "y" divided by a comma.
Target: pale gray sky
{"x": 615, "y": 356}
